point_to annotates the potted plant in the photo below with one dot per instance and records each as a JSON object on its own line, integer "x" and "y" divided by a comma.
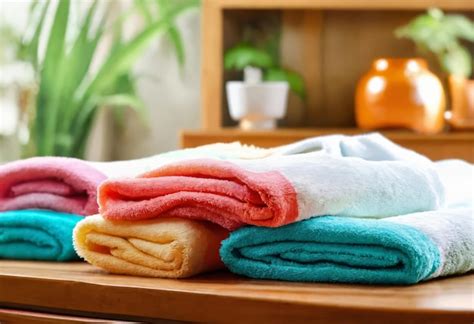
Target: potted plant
{"x": 443, "y": 36}
{"x": 261, "y": 98}
{"x": 71, "y": 92}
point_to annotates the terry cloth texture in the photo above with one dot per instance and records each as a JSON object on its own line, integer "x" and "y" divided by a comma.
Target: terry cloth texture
{"x": 397, "y": 250}
{"x": 282, "y": 188}
{"x": 166, "y": 247}
{"x": 37, "y": 235}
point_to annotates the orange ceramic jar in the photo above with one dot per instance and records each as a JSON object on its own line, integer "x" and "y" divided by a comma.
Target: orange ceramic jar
{"x": 400, "y": 93}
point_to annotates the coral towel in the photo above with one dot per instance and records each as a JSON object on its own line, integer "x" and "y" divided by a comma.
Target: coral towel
{"x": 276, "y": 190}
{"x": 61, "y": 184}
{"x": 167, "y": 247}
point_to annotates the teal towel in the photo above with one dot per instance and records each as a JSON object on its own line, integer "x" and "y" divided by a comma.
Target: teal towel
{"x": 37, "y": 235}
{"x": 398, "y": 250}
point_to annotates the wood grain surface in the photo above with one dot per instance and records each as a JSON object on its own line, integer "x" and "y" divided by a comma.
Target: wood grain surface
{"x": 12, "y": 316}
{"x": 79, "y": 288}
{"x": 212, "y": 65}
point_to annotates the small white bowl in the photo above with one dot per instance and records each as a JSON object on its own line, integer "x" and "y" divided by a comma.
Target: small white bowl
{"x": 257, "y": 106}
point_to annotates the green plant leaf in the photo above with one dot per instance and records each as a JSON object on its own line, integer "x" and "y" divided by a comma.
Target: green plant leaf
{"x": 272, "y": 46}
{"x": 145, "y": 10}
{"x": 459, "y": 26}
{"x": 90, "y": 110}
{"x": 70, "y": 94}
{"x": 442, "y": 34}
{"x": 165, "y": 9}
{"x": 457, "y": 61}
{"x": 122, "y": 59}
{"x": 77, "y": 62}
{"x": 80, "y": 135}
{"x": 124, "y": 85}
{"x": 115, "y": 65}
{"x": 294, "y": 80}
{"x": 244, "y": 55}
{"x": 178, "y": 44}
{"x": 51, "y": 81}
{"x": 30, "y": 47}
{"x": 128, "y": 101}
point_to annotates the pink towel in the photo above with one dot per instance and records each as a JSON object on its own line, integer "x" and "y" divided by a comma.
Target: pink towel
{"x": 61, "y": 184}
{"x": 213, "y": 190}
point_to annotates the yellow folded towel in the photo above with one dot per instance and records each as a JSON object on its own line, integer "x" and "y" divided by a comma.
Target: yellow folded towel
{"x": 164, "y": 247}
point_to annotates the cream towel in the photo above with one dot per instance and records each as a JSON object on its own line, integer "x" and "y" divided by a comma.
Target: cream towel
{"x": 164, "y": 247}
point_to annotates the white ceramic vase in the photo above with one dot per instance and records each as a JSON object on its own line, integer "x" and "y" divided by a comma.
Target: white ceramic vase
{"x": 257, "y": 105}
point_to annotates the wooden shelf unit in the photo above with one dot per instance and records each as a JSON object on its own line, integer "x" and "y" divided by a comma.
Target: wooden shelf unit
{"x": 331, "y": 43}
{"x": 78, "y": 289}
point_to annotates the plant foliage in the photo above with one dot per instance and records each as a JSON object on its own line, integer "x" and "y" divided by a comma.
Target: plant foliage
{"x": 71, "y": 92}
{"x": 244, "y": 54}
{"x": 442, "y": 35}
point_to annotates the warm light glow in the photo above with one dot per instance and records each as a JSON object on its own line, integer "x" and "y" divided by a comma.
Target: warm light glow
{"x": 412, "y": 67}
{"x": 376, "y": 85}
{"x": 430, "y": 93}
{"x": 381, "y": 65}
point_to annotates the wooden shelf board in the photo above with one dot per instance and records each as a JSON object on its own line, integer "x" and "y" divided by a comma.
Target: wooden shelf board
{"x": 79, "y": 288}
{"x": 299, "y": 133}
{"x": 345, "y": 4}
{"x": 458, "y": 145}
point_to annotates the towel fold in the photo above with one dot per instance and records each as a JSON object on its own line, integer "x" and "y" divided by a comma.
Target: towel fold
{"x": 281, "y": 189}
{"x": 397, "y": 250}
{"x": 61, "y": 184}
{"x": 70, "y": 185}
{"x": 37, "y": 235}
{"x": 167, "y": 247}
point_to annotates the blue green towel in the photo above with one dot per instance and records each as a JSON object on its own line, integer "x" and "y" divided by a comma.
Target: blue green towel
{"x": 398, "y": 250}
{"x": 37, "y": 235}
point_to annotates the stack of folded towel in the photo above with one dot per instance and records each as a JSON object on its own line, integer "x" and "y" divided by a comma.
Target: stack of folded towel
{"x": 41, "y": 200}
{"x": 166, "y": 246}
{"x": 418, "y": 244}
{"x": 342, "y": 209}
{"x": 328, "y": 209}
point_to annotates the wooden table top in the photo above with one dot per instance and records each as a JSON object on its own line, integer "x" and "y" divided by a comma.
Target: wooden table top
{"x": 80, "y": 289}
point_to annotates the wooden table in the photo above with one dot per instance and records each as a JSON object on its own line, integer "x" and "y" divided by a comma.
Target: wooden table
{"x": 78, "y": 289}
